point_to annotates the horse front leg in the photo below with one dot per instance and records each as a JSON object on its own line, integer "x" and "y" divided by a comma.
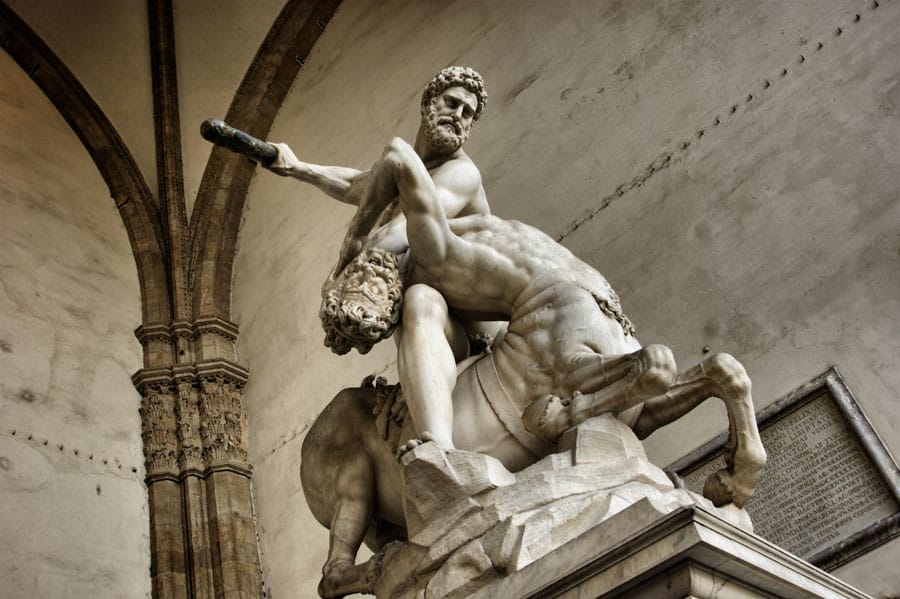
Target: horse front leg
{"x": 724, "y": 377}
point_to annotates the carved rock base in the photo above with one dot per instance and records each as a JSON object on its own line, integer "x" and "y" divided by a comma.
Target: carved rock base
{"x": 689, "y": 553}
{"x": 471, "y": 522}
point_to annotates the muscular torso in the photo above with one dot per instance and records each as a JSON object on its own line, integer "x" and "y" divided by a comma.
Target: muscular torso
{"x": 551, "y": 298}
{"x": 498, "y": 266}
{"x": 487, "y": 272}
{"x": 456, "y": 201}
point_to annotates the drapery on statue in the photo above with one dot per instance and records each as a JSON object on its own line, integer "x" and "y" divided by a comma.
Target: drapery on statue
{"x": 568, "y": 353}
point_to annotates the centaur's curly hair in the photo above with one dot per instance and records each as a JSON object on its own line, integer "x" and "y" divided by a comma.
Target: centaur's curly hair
{"x": 348, "y": 324}
{"x": 456, "y": 77}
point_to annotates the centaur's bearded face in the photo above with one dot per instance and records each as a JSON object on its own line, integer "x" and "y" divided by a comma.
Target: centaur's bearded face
{"x": 362, "y": 305}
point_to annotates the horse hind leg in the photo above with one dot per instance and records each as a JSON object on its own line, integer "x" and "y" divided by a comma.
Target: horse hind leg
{"x": 612, "y": 385}
{"x": 353, "y": 510}
{"x": 724, "y": 377}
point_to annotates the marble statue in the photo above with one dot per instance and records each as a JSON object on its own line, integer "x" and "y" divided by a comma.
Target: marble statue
{"x": 457, "y": 474}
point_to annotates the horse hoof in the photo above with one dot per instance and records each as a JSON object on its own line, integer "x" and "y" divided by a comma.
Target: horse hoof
{"x": 337, "y": 576}
{"x": 721, "y": 488}
{"x": 547, "y": 417}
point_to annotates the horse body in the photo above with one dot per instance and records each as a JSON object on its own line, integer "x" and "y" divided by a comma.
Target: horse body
{"x": 563, "y": 359}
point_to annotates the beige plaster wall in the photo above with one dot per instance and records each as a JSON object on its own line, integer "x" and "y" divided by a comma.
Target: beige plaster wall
{"x": 215, "y": 41}
{"x": 771, "y": 235}
{"x": 74, "y": 521}
{"x": 106, "y": 44}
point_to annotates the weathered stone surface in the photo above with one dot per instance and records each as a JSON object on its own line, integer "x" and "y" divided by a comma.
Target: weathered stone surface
{"x": 504, "y": 529}
{"x": 74, "y": 518}
{"x": 652, "y": 550}
{"x": 424, "y": 245}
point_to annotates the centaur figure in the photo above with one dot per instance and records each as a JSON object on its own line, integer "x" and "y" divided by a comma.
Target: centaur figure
{"x": 568, "y": 354}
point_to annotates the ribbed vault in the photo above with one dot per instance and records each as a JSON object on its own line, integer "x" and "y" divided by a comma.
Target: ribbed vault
{"x": 202, "y": 534}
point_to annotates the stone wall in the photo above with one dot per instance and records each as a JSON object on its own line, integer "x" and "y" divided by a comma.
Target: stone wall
{"x": 730, "y": 167}
{"x": 74, "y": 521}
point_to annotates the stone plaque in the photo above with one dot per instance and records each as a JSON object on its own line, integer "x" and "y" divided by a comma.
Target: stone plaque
{"x": 830, "y": 490}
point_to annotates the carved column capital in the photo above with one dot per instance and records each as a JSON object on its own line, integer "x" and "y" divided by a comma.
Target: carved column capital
{"x": 158, "y": 428}
{"x": 222, "y": 422}
{"x": 187, "y": 412}
{"x": 192, "y": 418}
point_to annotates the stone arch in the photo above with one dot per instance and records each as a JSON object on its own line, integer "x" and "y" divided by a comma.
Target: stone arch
{"x": 126, "y": 184}
{"x": 220, "y": 200}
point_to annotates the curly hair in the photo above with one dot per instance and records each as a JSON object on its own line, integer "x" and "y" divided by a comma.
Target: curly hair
{"x": 465, "y": 77}
{"x": 349, "y": 324}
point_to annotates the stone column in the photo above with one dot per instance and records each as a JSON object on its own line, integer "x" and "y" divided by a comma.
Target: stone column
{"x": 202, "y": 534}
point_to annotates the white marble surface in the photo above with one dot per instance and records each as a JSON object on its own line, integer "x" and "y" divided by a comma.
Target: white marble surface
{"x": 772, "y": 237}
{"x": 644, "y": 552}
{"x": 507, "y": 523}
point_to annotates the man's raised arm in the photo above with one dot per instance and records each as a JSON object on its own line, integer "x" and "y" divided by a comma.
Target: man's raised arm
{"x": 340, "y": 182}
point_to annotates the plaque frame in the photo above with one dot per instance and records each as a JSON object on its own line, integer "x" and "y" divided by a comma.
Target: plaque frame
{"x": 831, "y": 384}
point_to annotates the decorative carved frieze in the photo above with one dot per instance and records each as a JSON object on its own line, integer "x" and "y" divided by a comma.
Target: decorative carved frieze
{"x": 222, "y": 423}
{"x": 192, "y": 417}
{"x": 158, "y": 428}
{"x": 187, "y": 412}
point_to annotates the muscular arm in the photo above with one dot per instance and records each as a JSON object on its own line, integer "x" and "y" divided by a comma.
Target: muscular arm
{"x": 453, "y": 186}
{"x": 342, "y": 183}
{"x": 426, "y": 199}
{"x": 455, "y": 199}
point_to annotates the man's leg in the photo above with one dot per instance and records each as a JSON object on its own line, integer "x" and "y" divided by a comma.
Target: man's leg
{"x": 428, "y": 336}
{"x": 427, "y": 363}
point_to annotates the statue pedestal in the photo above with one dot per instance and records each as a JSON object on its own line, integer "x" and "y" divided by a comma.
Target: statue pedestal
{"x": 595, "y": 519}
{"x": 685, "y": 554}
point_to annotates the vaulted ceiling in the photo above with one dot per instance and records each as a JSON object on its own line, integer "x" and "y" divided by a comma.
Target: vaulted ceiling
{"x": 106, "y": 45}
{"x": 135, "y": 79}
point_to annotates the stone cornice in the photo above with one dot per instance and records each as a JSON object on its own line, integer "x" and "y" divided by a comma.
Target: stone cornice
{"x": 646, "y": 544}
{"x": 205, "y": 473}
{"x": 171, "y": 375}
{"x": 216, "y": 326}
{"x": 168, "y": 332}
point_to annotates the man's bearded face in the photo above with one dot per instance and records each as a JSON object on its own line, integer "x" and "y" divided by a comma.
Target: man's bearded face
{"x": 443, "y": 133}
{"x": 448, "y": 119}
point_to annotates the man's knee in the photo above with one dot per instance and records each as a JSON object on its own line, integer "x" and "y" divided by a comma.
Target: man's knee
{"x": 657, "y": 371}
{"x": 422, "y": 304}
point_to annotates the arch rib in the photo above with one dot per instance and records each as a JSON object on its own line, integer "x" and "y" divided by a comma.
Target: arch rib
{"x": 126, "y": 184}
{"x": 223, "y": 189}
